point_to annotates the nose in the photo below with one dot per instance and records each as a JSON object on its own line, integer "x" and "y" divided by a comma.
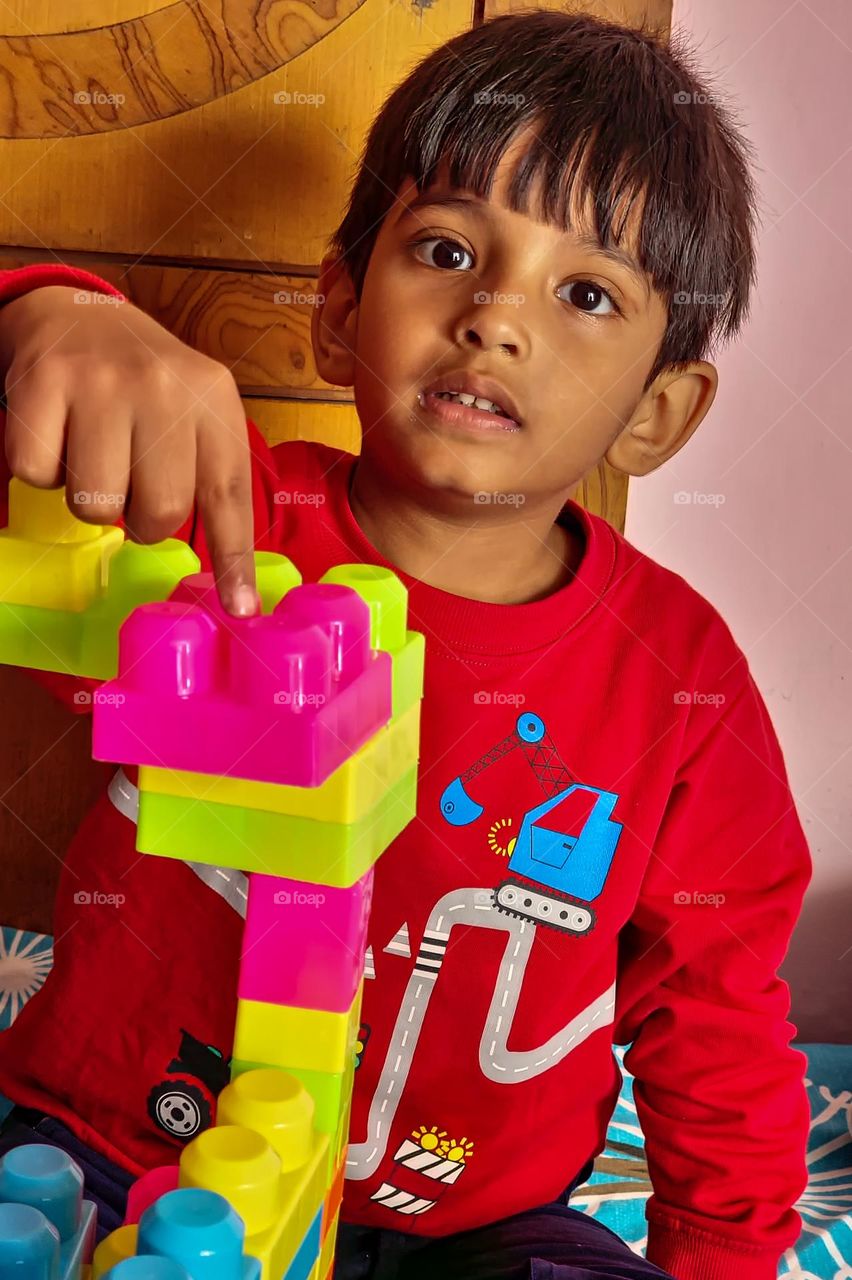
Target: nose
{"x": 494, "y": 321}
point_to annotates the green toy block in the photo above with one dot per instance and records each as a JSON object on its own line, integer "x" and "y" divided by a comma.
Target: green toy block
{"x": 85, "y": 642}
{"x": 276, "y": 844}
{"x": 388, "y": 601}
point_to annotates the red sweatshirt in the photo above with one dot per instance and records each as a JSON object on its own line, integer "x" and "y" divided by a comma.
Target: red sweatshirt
{"x": 605, "y": 851}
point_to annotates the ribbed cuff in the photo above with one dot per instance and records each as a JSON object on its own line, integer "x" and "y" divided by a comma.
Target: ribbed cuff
{"x": 689, "y": 1254}
{"x": 21, "y": 280}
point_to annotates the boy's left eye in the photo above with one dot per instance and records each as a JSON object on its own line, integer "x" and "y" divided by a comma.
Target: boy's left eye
{"x": 588, "y": 296}
{"x": 449, "y": 253}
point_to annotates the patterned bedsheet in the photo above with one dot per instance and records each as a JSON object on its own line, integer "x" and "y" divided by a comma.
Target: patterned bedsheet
{"x": 619, "y": 1186}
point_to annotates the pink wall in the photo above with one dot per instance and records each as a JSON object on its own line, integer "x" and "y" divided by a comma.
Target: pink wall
{"x": 774, "y": 552}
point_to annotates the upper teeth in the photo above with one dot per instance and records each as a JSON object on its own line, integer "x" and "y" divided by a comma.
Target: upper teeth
{"x": 464, "y": 398}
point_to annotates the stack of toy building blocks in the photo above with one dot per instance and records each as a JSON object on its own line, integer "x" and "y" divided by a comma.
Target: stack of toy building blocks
{"x": 285, "y": 746}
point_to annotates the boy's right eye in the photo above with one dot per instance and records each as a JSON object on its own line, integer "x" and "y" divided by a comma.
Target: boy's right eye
{"x": 448, "y": 255}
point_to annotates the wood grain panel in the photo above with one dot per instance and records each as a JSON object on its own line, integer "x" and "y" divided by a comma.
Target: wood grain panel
{"x": 48, "y": 782}
{"x": 44, "y": 17}
{"x": 244, "y": 178}
{"x": 656, "y": 15}
{"x": 160, "y": 64}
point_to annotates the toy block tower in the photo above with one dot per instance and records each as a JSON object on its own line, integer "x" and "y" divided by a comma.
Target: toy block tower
{"x": 285, "y": 746}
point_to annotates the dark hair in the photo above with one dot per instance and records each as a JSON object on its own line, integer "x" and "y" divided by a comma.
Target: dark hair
{"x": 619, "y": 116}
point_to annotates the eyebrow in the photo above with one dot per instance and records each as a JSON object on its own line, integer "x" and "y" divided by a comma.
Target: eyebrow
{"x": 585, "y": 241}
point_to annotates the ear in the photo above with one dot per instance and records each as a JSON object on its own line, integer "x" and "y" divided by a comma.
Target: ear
{"x": 334, "y": 322}
{"x": 664, "y": 419}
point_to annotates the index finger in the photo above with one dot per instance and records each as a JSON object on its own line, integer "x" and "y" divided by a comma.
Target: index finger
{"x": 224, "y": 491}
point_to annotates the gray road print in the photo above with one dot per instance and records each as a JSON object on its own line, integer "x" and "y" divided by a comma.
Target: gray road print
{"x": 471, "y": 907}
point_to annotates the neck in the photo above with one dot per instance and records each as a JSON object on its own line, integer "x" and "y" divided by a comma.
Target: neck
{"x": 513, "y": 556}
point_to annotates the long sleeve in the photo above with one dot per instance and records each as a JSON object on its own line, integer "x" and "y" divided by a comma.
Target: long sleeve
{"x": 14, "y": 284}
{"x": 718, "y": 1088}
{"x": 21, "y": 280}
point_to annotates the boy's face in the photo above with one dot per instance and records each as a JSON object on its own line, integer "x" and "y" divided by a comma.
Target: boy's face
{"x": 472, "y": 288}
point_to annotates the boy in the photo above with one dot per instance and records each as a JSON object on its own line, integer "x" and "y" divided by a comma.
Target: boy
{"x": 501, "y": 340}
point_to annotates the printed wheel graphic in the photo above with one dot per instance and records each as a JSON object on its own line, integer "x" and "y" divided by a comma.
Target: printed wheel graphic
{"x": 179, "y": 1108}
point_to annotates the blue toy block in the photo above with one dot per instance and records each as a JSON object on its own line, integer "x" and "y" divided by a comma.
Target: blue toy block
{"x": 29, "y": 1244}
{"x": 147, "y": 1268}
{"x": 41, "y": 1180}
{"x": 199, "y": 1231}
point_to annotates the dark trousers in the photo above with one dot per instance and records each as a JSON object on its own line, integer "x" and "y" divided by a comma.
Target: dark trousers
{"x": 553, "y": 1242}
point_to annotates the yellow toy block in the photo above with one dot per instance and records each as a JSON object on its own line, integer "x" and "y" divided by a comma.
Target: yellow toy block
{"x": 114, "y": 1248}
{"x": 286, "y": 1036}
{"x": 48, "y": 557}
{"x": 347, "y": 796}
{"x": 268, "y": 1161}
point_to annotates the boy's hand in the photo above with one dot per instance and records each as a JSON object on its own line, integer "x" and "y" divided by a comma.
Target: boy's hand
{"x": 103, "y": 398}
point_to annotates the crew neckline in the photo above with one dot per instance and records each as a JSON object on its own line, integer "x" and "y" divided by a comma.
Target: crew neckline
{"x": 477, "y": 626}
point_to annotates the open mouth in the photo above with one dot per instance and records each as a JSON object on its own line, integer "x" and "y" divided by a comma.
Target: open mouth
{"x": 461, "y": 409}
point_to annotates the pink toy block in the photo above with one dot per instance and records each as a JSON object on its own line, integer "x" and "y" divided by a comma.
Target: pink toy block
{"x": 284, "y": 697}
{"x": 149, "y": 1187}
{"x": 303, "y": 944}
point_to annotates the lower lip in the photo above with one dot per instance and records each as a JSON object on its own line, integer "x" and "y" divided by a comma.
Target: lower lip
{"x": 468, "y": 417}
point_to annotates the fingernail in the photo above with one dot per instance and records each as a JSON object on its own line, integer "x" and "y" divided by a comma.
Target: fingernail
{"x": 246, "y": 601}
